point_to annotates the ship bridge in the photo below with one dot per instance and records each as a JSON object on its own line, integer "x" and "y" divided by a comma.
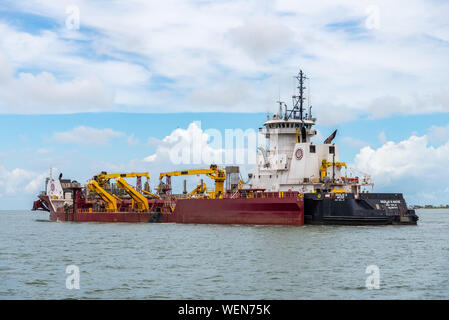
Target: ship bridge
{"x": 293, "y": 127}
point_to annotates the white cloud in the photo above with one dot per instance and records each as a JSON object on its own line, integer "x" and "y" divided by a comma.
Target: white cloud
{"x": 410, "y": 166}
{"x": 261, "y": 37}
{"x": 87, "y": 135}
{"x": 195, "y": 147}
{"x": 187, "y": 147}
{"x": 19, "y": 181}
{"x": 43, "y": 93}
{"x": 192, "y": 148}
{"x": 385, "y": 106}
{"x": 166, "y": 56}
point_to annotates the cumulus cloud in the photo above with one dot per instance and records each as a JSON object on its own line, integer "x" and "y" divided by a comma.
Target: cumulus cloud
{"x": 411, "y": 166}
{"x": 126, "y": 60}
{"x": 43, "y": 93}
{"x": 13, "y": 182}
{"x": 196, "y": 147}
{"x": 87, "y": 135}
{"x": 187, "y": 147}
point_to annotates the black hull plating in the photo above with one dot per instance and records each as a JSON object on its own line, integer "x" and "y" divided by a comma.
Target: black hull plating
{"x": 366, "y": 209}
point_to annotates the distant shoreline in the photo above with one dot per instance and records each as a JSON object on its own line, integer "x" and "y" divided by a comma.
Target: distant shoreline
{"x": 430, "y": 207}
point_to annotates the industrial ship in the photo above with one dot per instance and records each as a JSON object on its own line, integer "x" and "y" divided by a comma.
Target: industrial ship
{"x": 103, "y": 201}
{"x": 294, "y": 181}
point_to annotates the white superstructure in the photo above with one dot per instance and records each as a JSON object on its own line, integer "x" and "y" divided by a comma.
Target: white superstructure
{"x": 291, "y": 161}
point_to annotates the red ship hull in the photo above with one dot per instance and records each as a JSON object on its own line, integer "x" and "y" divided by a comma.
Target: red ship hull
{"x": 99, "y": 216}
{"x": 267, "y": 209}
{"x": 263, "y": 211}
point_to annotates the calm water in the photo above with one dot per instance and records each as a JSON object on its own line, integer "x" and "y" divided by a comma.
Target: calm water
{"x": 168, "y": 261}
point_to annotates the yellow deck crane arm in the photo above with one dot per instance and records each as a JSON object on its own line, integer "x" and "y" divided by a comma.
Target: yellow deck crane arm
{"x": 186, "y": 173}
{"x": 150, "y": 194}
{"x": 214, "y": 172}
{"x": 200, "y": 187}
{"x": 111, "y": 202}
{"x": 142, "y": 202}
{"x": 326, "y": 164}
{"x": 104, "y": 177}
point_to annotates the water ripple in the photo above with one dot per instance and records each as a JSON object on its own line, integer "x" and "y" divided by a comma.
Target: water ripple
{"x": 169, "y": 261}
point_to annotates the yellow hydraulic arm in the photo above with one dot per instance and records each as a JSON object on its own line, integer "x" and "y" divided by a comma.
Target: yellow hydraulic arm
{"x": 325, "y": 164}
{"x": 215, "y": 173}
{"x": 103, "y": 178}
{"x": 150, "y": 194}
{"x": 142, "y": 202}
{"x": 111, "y": 203}
{"x": 198, "y": 189}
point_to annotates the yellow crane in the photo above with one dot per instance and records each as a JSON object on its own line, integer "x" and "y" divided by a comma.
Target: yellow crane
{"x": 214, "y": 172}
{"x": 326, "y": 164}
{"x": 104, "y": 177}
{"x": 200, "y": 187}
{"x": 142, "y": 202}
{"x": 150, "y": 194}
{"x": 111, "y": 203}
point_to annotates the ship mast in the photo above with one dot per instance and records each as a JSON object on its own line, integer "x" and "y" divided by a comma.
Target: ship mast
{"x": 298, "y": 100}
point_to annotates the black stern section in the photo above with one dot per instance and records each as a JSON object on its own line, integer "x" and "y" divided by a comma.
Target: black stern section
{"x": 361, "y": 209}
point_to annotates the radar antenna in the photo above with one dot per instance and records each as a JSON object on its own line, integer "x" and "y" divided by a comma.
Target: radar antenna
{"x": 298, "y": 100}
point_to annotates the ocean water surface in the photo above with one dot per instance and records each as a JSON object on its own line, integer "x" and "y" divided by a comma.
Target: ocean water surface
{"x": 174, "y": 261}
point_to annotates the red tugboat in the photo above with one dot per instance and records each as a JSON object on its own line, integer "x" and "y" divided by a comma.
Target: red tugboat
{"x": 120, "y": 202}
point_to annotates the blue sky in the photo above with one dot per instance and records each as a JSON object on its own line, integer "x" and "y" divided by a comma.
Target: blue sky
{"x": 97, "y": 85}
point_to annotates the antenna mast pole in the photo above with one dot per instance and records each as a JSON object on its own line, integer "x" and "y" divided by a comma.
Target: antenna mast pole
{"x": 299, "y": 99}
{"x": 301, "y": 91}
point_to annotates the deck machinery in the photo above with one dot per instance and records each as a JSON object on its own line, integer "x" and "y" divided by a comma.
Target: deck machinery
{"x": 103, "y": 201}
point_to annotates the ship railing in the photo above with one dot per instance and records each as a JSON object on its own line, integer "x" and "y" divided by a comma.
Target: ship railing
{"x": 235, "y": 194}
{"x": 280, "y": 194}
{"x": 262, "y": 195}
{"x": 107, "y": 211}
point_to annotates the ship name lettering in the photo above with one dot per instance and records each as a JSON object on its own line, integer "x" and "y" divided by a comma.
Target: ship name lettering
{"x": 391, "y": 204}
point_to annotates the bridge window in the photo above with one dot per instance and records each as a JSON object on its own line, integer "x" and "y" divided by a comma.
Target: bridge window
{"x": 331, "y": 149}
{"x": 312, "y": 148}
